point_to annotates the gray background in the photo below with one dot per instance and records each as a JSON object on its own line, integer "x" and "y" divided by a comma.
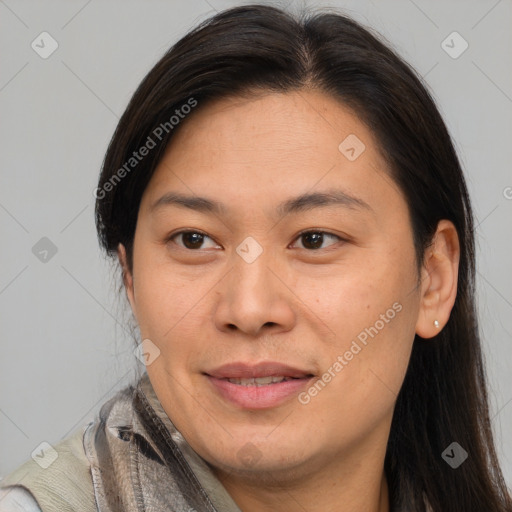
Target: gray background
{"x": 65, "y": 344}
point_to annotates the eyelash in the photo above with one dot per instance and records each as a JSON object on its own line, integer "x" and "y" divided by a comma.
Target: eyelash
{"x": 300, "y": 235}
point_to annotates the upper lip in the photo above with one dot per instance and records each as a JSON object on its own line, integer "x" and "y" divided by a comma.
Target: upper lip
{"x": 240, "y": 370}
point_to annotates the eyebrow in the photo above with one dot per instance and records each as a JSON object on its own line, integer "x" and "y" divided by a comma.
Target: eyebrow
{"x": 301, "y": 203}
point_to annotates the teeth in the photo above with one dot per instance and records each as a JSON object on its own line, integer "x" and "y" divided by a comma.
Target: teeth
{"x": 259, "y": 381}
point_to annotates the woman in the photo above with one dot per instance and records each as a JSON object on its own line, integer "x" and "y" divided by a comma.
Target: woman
{"x": 296, "y": 242}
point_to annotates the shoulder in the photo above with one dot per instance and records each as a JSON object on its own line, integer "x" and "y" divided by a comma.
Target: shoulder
{"x": 57, "y": 477}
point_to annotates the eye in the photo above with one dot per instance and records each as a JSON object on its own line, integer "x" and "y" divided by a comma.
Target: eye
{"x": 191, "y": 239}
{"x": 314, "y": 239}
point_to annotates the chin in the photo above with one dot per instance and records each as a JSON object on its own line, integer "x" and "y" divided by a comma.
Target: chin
{"x": 258, "y": 456}
{"x": 271, "y": 468}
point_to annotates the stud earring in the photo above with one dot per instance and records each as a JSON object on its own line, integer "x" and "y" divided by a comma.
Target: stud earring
{"x": 436, "y": 324}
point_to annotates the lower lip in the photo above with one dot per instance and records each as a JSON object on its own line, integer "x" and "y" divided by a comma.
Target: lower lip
{"x": 259, "y": 397}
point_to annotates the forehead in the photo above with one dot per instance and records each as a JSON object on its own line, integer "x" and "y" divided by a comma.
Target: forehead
{"x": 272, "y": 144}
{"x": 292, "y": 122}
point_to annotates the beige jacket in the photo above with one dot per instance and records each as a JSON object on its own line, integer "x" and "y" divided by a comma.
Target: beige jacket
{"x": 74, "y": 482}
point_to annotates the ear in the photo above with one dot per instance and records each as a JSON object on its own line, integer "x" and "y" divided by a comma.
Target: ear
{"x": 127, "y": 276}
{"x": 438, "y": 280}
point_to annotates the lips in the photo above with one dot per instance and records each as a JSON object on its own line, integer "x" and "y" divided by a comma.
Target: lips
{"x": 259, "y": 386}
{"x": 264, "y": 369}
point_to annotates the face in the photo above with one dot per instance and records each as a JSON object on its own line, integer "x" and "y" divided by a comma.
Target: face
{"x": 298, "y": 263}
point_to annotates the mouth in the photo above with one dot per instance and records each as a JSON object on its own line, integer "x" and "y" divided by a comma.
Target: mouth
{"x": 261, "y": 386}
{"x": 260, "y": 381}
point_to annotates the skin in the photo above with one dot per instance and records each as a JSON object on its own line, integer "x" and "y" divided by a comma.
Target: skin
{"x": 206, "y": 306}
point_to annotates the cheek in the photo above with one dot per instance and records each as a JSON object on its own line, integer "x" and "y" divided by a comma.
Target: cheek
{"x": 372, "y": 312}
{"x": 162, "y": 296}
{"x": 364, "y": 373}
{"x": 348, "y": 300}
{"x": 387, "y": 318}
{"x": 172, "y": 312}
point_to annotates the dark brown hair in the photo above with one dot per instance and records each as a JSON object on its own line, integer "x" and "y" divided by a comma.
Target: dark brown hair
{"x": 443, "y": 398}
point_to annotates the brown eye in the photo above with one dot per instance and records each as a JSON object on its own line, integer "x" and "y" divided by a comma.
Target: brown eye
{"x": 192, "y": 240}
{"x": 314, "y": 239}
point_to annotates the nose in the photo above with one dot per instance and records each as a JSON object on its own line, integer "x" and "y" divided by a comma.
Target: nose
{"x": 254, "y": 297}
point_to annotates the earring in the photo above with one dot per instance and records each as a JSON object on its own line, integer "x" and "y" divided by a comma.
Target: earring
{"x": 436, "y": 324}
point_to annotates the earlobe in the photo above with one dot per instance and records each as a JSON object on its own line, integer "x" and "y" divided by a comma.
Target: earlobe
{"x": 439, "y": 280}
{"x": 127, "y": 276}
